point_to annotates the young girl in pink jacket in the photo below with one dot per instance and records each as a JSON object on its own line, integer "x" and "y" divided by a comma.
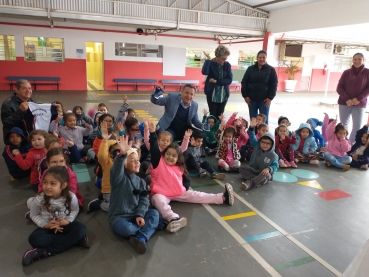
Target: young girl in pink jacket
{"x": 170, "y": 182}
{"x": 338, "y": 145}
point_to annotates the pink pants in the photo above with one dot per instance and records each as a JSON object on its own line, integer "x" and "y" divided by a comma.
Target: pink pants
{"x": 161, "y": 202}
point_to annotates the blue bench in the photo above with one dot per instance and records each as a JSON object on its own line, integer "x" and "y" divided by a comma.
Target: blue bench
{"x": 181, "y": 83}
{"x": 135, "y": 82}
{"x": 236, "y": 85}
{"x": 33, "y": 80}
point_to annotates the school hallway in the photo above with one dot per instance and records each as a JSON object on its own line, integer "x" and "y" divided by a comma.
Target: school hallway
{"x": 312, "y": 221}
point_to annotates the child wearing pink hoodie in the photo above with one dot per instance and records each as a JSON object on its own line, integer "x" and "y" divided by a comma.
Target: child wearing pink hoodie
{"x": 338, "y": 145}
{"x": 240, "y": 124}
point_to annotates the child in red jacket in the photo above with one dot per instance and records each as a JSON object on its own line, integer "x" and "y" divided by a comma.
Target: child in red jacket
{"x": 283, "y": 148}
{"x": 35, "y": 155}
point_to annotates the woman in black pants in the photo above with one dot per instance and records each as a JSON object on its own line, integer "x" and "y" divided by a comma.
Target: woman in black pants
{"x": 218, "y": 80}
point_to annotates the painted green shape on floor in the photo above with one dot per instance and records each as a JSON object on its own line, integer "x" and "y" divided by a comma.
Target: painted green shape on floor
{"x": 303, "y": 173}
{"x": 83, "y": 177}
{"x": 294, "y": 263}
{"x": 79, "y": 168}
{"x": 284, "y": 177}
{"x": 205, "y": 185}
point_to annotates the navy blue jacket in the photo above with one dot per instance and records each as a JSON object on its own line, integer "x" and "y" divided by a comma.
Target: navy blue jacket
{"x": 358, "y": 143}
{"x": 14, "y": 170}
{"x": 259, "y": 84}
{"x": 210, "y": 68}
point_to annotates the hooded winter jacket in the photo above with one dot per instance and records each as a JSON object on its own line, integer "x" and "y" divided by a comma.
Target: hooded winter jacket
{"x": 261, "y": 159}
{"x": 310, "y": 145}
{"x": 211, "y": 136}
{"x": 14, "y": 170}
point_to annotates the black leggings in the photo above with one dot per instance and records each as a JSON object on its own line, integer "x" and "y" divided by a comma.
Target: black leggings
{"x": 192, "y": 164}
{"x": 215, "y": 109}
{"x": 56, "y": 243}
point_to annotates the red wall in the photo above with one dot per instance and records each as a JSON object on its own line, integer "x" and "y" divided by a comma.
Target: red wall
{"x": 72, "y": 72}
{"x": 144, "y": 70}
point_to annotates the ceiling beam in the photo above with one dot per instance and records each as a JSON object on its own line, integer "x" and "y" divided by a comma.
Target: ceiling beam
{"x": 248, "y": 7}
{"x": 268, "y": 3}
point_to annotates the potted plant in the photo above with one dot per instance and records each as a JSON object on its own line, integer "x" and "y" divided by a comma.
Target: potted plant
{"x": 291, "y": 71}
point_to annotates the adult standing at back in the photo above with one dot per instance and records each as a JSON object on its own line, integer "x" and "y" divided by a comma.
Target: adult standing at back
{"x": 180, "y": 111}
{"x": 219, "y": 77}
{"x": 14, "y": 110}
{"x": 259, "y": 86}
{"x": 353, "y": 90}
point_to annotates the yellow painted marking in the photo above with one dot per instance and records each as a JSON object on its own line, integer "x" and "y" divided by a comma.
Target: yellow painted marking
{"x": 235, "y": 216}
{"x": 231, "y": 108}
{"x": 140, "y": 111}
{"x": 312, "y": 184}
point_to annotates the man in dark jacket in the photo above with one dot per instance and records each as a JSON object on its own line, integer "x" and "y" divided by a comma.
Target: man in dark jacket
{"x": 15, "y": 112}
{"x": 259, "y": 86}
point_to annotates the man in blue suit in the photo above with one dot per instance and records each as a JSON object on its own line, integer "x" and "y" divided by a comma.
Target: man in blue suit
{"x": 180, "y": 111}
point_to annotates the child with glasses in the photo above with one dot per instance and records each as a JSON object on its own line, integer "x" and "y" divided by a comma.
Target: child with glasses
{"x": 263, "y": 161}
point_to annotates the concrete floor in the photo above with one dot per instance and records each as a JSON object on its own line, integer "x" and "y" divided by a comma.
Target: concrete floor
{"x": 287, "y": 230}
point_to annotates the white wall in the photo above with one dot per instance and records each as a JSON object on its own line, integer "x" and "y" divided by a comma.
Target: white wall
{"x": 321, "y": 14}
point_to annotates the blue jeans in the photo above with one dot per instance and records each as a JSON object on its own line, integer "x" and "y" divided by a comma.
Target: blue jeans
{"x": 128, "y": 228}
{"x": 256, "y": 106}
{"x": 337, "y": 161}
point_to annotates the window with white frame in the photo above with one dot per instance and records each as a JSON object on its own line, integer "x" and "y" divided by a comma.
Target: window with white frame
{"x": 196, "y": 57}
{"x": 138, "y": 50}
{"x": 246, "y": 58}
{"x": 42, "y": 49}
{"x": 7, "y": 48}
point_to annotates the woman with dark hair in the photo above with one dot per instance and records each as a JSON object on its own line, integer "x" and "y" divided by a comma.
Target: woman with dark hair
{"x": 353, "y": 90}
{"x": 259, "y": 86}
{"x": 219, "y": 77}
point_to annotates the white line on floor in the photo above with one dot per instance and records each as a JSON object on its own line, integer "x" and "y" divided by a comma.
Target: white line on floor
{"x": 243, "y": 243}
{"x": 288, "y": 236}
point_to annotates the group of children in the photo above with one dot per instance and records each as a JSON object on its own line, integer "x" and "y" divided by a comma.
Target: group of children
{"x": 122, "y": 147}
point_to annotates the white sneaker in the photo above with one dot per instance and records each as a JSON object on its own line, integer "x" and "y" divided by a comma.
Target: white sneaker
{"x": 365, "y": 166}
{"x": 176, "y": 225}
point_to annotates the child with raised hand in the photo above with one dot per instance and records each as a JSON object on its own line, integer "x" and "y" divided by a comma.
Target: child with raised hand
{"x": 122, "y": 112}
{"x": 227, "y": 156}
{"x": 314, "y": 123}
{"x": 360, "y": 150}
{"x": 263, "y": 162}
{"x": 210, "y": 142}
{"x": 107, "y": 152}
{"x": 15, "y": 139}
{"x": 170, "y": 182}
{"x": 34, "y": 156}
{"x": 240, "y": 125}
{"x": 53, "y": 211}
{"x": 164, "y": 139}
{"x": 195, "y": 157}
{"x": 129, "y": 213}
{"x": 283, "y": 147}
{"x": 72, "y": 134}
{"x": 338, "y": 145}
{"x": 305, "y": 146}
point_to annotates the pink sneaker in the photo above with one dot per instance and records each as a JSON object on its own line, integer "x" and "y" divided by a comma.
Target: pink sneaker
{"x": 282, "y": 164}
{"x": 293, "y": 164}
{"x": 287, "y": 163}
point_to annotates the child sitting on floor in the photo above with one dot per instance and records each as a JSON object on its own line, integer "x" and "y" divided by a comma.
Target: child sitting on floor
{"x": 282, "y": 120}
{"x": 34, "y": 156}
{"x": 305, "y": 146}
{"x": 15, "y": 139}
{"x": 337, "y": 147}
{"x": 210, "y": 142}
{"x": 54, "y": 210}
{"x": 227, "y": 156}
{"x": 360, "y": 150}
{"x": 81, "y": 118}
{"x": 240, "y": 124}
{"x": 195, "y": 157}
{"x": 170, "y": 182}
{"x": 283, "y": 147}
{"x": 263, "y": 162}
{"x": 129, "y": 213}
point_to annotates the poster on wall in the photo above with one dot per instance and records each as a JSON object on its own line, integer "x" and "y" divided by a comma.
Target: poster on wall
{"x": 79, "y": 53}
{"x": 174, "y": 61}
